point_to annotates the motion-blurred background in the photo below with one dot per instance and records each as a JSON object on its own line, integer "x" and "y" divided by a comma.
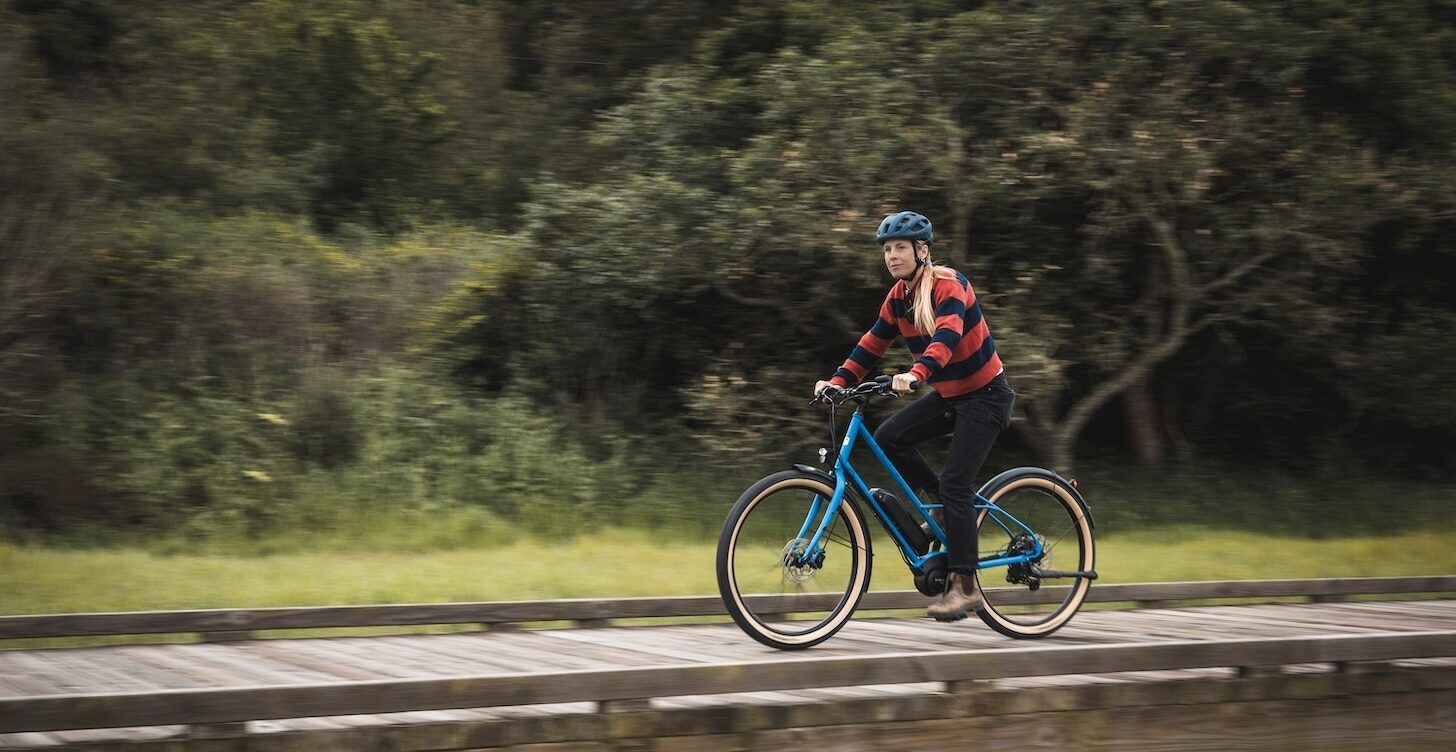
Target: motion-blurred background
{"x": 431, "y": 274}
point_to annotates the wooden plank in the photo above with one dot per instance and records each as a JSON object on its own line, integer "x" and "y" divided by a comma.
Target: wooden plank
{"x": 252, "y": 620}
{"x": 362, "y": 657}
{"x": 241, "y": 704}
{"x": 81, "y": 737}
{"x": 864, "y": 636}
{"x": 319, "y": 657}
{"x": 1163, "y": 625}
{"x": 1331, "y": 619}
{"x": 393, "y": 657}
{"x": 149, "y": 664}
{"x": 1433, "y": 613}
{"x": 38, "y": 668}
{"x": 229, "y": 664}
{"x": 516, "y": 652}
{"x": 546, "y": 649}
{"x": 657, "y": 652}
{"x": 721, "y": 644}
{"x": 1202, "y": 624}
{"x": 1378, "y": 616}
{"x": 87, "y": 675}
{"x": 176, "y": 667}
{"x": 904, "y": 635}
{"x": 29, "y": 741}
{"x": 717, "y": 643}
{"x": 16, "y": 685}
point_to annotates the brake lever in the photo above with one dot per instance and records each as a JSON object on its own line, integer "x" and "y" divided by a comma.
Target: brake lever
{"x": 825, "y": 395}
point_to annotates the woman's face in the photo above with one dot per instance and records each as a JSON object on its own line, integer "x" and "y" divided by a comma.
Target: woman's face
{"x": 900, "y": 258}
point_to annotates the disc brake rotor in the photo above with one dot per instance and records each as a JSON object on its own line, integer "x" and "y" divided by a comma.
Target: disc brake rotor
{"x": 797, "y": 567}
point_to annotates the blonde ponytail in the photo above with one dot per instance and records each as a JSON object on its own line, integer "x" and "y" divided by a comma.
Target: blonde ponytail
{"x": 923, "y": 305}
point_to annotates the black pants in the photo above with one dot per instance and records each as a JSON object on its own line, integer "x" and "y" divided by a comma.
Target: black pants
{"x": 973, "y": 421}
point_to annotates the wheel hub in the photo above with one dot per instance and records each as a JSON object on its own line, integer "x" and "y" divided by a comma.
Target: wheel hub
{"x": 798, "y": 567}
{"x": 1020, "y": 574}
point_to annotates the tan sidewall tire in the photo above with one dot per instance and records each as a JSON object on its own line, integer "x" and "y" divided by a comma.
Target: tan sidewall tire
{"x": 728, "y": 587}
{"x": 1080, "y": 585}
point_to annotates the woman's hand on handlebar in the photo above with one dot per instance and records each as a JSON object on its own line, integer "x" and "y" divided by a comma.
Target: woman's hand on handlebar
{"x": 904, "y": 383}
{"x": 820, "y": 386}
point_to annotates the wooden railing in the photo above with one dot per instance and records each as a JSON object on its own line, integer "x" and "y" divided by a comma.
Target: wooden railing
{"x": 242, "y": 623}
{"x": 958, "y": 670}
{"x": 618, "y": 688}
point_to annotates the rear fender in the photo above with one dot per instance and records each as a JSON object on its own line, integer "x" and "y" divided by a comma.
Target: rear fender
{"x": 1038, "y": 472}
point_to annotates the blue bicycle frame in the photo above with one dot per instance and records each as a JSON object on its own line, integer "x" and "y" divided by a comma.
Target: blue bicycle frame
{"x": 844, "y": 474}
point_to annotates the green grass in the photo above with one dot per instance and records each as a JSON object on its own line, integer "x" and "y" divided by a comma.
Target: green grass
{"x": 613, "y": 563}
{"x": 41, "y": 580}
{"x": 1189, "y": 553}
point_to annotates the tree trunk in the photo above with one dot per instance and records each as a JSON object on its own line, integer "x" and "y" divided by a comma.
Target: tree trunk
{"x": 1059, "y": 450}
{"x": 1143, "y": 428}
{"x": 960, "y": 256}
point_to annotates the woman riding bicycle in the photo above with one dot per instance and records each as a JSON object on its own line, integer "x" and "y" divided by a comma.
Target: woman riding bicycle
{"x": 934, "y": 309}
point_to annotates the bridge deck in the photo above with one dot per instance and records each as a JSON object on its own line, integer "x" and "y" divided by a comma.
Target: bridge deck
{"x": 143, "y": 668}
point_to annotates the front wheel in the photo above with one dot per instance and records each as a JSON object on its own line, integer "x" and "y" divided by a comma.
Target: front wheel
{"x": 1053, "y": 521}
{"x": 777, "y": 588}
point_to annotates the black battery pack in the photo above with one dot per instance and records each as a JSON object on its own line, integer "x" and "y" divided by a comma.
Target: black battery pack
{"x": 903, "y": 519}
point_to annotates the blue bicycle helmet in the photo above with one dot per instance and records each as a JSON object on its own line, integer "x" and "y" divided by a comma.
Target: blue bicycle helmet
{"x": 907, "y": 225}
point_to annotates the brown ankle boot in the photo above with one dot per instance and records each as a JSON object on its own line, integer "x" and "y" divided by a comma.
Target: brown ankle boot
{"x": 962, "y": 596}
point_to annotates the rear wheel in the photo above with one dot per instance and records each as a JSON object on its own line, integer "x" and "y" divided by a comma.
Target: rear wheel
{"x": 777, "y": 590}
{"x": 1060, "y": 528}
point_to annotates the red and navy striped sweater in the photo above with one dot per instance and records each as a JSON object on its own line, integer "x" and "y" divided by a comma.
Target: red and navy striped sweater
{"x": 959, "y": 358}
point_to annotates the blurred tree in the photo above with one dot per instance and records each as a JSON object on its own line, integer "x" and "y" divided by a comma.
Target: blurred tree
{"x": 48, "y": 181}
{"x": 1218, "y": 227}
{"x": 480, "y": 172}
{"x": 1138, "y": 178}
{"x": 263, "y": 104}
{"x": 1180, "y": 182}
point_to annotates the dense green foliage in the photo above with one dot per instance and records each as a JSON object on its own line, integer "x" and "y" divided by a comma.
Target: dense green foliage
{"x": 263, "y": 262}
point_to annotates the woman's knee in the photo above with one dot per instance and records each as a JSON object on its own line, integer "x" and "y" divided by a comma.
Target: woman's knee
{"x": 889, "y": 437}
{"x": 955, "y": 490}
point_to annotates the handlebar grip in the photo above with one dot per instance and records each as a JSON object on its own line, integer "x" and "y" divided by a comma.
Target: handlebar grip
{"x": 826, "y": 393}
{"x": 886, "y": 379}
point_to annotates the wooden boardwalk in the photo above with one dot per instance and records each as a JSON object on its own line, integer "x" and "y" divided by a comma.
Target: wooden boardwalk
{"x": 149, "y": 668}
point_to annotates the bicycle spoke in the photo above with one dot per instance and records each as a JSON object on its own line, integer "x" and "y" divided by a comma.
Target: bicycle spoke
{"x": 805, "y": 595}
{"x": 1060, "y": 534}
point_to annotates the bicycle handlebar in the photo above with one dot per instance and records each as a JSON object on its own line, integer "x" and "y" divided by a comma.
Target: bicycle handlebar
{"x": 878, "y": 386}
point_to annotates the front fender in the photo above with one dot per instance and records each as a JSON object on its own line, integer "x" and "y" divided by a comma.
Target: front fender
{"x": 819, "y": 473}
